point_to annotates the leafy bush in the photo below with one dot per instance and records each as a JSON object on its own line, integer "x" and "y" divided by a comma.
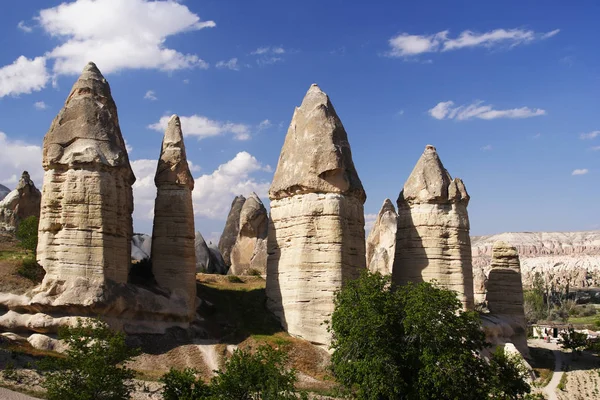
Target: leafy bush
{"x": 92, "y": 368}
{"x": 573, "y": 340}
{"x": 31, "y": 270}
{"x": 183, "y": 385}
{"x": 27, "y": 233}
{"x": 413, "y": 342}
{"x": 246, "y": 376}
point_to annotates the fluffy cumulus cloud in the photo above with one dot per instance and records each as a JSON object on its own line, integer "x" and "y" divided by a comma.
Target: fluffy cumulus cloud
{"x": 407, "y": 45}
{"x": 231, "y": 64}
{"x": 119, "y": 34}
{"x": 590, "y": 135}
{"x": 212, "y": 192}
{"x": 582, "y": 171}
{"x": 23, "y": 76}
{"x": 447, "y": 110}
{"x": 40, "y": 105}
{"x": 17, "y": 156}
{"x": 203, "y": 127}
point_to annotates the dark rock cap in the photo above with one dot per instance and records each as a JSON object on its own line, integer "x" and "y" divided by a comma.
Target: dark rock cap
{"x": 173, "y": 167}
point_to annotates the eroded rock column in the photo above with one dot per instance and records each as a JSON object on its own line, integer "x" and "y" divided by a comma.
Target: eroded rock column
{"x": 21, "y": 203}
{"x": 231, "y": 230}
{"x": 381, "y": 243}
{"x": 433, "y": 240}
{"x": 85, "y": 221}
{"x": 316, "y": 237}
{"x": 249, "y": 253}
{"x": 173, "y": 234}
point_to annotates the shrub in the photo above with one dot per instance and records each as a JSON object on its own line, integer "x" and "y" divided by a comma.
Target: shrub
{"x": 183, "y": 385}
{"x": 92, "y": 368}
{"x": 31, "y": 270}
{"x": 573, "y": 340}
{"x": 254, "y": 272}
{"x": 27, "y": 233}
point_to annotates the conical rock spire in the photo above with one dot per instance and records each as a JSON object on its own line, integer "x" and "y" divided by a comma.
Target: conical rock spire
{"x": 86, "y": 130}
{"x": 381, "y": 243}
{"x": 316, "y": 155}
{"x": 173, "y": 167}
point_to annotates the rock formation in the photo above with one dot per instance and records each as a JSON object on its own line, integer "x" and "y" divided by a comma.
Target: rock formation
{"x": 504, "y": 296}
{"x": 231, "y": 230}
{"x": 141, "y": 247}
{"x": 249, "y": 253}
{"x": 208, "y": 259}
{"x": 561, "y": 258}
{"x": 85, "y": 224}
{"x": 173, "y": 234}
{"x": 19, "y": 204}
{"x": 381, "y": 243}
{"x": 3, "y": 192}
{"x": 316, "y": 238}
{"x": 433, "y": 240}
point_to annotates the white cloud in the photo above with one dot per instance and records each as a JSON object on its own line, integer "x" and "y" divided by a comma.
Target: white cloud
{"x": 231, "y": 64}
{"x": 487, "y": 147}
{"x": 40, "y": 105}
{"x": 580, "y": 171}
{"x": 537, "y": 136}
{"x": 144, "y": 189}
{"x": 128, "y": 147}
{"x": 213, "y": 192}
{"x": 268, "y": 50}
{"x": 27, "y": 29}
{"x": 595, "y": 148}
{"x": 446, "y": 109}
{"x": 17, "y": 156}
{"x": 202, "y": 127}
{"x": 150, "y": 95}
{"x": 265, "y": 124}
{"x": 369, "y": 222}
{"x": 269, "y": 55}
{"x": 400, "y": 113}
{"x": 406, "y": 45}
{"x": 268, "y": 60}
{"x": 23, "y": 76}
{"x": 120, "y": 34}
{"x": 591, "y": 135}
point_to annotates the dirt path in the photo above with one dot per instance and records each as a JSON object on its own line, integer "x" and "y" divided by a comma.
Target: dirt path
{"x": 6, "y": 394}
{"x": 550, "y": 389}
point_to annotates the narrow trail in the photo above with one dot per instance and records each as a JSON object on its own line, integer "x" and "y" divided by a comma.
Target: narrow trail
{"x": 550, "y": 389}
{"x": 209, "y": 353}
{"x": 6, "y": 394}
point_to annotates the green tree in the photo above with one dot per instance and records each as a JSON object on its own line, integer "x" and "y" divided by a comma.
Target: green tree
{"x": 411, "y": 342}
{"x": 508, "y": 376}
{"x": 93, "y": 367}
{"x": 246, "y": 376}
{"x": 573, "y": 340}
{"x": 27, "y": 233}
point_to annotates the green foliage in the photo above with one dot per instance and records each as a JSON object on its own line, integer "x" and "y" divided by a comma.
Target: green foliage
{"x": 92, "y": 368}
{"x": 535, "y": 309}
{"x": 413, "y": 342}
{"x": 27, "y": 233}
{"x": 234, "y": 279}
{"x": 562, "y": 384}
{"x": 31, "y": 270}
{"x": 183, "y": 385}
{"x": 254, "y": 272}
{"x": 508, "y": 375}
{"x": 573, "y": 340}
{"x": 10, "y": 373}
{"x": 246, "y": 376}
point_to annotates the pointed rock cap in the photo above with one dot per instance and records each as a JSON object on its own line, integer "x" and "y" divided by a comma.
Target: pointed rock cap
{"x": 173, "y": 167}
{"x": 25, "y": 181}
{"x": 387, "y": 206}
{"x": 316, "y": 155}
{"x": 231, "y": 229}
{"x": 253, "y": 217}
{"x": 430, "y": 182}
{"x": 86, "y": 130}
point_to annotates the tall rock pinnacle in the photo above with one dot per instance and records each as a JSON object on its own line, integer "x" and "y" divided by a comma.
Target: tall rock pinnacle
{"x": 381, "y": 243}
{"x": 173, "y": 235}
{"x": 316, "y": 155}
{"x": 433, "y": 240}
{"x": 249, "y": 253}
{"x": 85, "y": 222}
{"x": 232, "y": 229}
{"x": 316, "y": 238}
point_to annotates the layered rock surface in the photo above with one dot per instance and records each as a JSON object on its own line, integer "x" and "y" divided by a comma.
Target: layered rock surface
{"x": 381, "y": 243}
{"x": 173, "y": 234}
{"x": 504, "y": 292}
{"x": 249, "y": 253}
{"x": 433, "y": 240}
{"x": 562, "y": 258}
{"x": 85, "y": 222}
{"x": 316, "y": 237}
{"x": 231, "y": 230}
{"x": 208, "y": 257}
{"x": 19, "y": 204}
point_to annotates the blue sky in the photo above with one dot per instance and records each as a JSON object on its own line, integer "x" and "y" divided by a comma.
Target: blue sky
{"x": 508, "y": 92}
